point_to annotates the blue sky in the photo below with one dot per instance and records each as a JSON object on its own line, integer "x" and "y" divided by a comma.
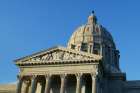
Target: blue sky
{"x": 28, "y": 26}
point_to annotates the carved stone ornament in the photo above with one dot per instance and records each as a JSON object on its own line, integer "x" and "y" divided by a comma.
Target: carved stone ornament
{"x": 56, "y": 55}
{"x": 62, "y": 55}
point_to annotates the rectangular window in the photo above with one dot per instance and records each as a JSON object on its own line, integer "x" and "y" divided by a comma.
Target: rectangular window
{"x": 73, "y": 46}
{"x": 84, "y": 47}
{"x": 96, "y": 49}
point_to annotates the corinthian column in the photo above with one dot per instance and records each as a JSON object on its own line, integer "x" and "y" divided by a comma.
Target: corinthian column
{"x": 78, "y": 84}
{"x": 62, "y": 89}
{"x": 94, "y": 84}
{"x": 26, "y": 86}
{"x": 47, "y": 86}
{"x": 19, "y": 85}
{"x": 33, "y": 84}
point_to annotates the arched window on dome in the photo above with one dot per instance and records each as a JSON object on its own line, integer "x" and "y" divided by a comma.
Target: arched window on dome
{"x": 116, "y": 60}
{"x": 84, "y": 47}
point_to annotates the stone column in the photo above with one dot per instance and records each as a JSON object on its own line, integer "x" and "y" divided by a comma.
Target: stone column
{"x": 117, "y": 58}
{"x": 111, "y": 55}
{"x": 101, "y": 50}
{"x": 47, "y": 86}
{"x": 83, "y": 87}
{"x": 26, "y": 86}
{"x": 19, "y": 84}
{"x": 78, "y": 84}
{"x": 33, "y": 84}
{"x": 63, "y": 85}
{"x": 94, "y": 84}
{"x": 42, "y": 87}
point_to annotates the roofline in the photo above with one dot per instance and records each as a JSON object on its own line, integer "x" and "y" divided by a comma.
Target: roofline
{"x": 55, "y": 62}
{"x": 52, "y": 49}
{"x": 36, "y": 53}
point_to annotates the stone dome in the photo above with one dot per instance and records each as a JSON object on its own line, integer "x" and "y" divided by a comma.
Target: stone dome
{"x": 91, "y": 37}
{"x": 94, "y": 38}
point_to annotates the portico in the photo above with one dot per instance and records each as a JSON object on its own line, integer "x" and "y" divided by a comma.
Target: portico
{"x": 39, "y": 74}
{"x": 57, "y": 83}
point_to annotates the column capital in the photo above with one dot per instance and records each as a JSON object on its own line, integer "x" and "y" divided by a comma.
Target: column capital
{"x": 27, "y": 81}
{"x": 47, "y": 75}
{"x": 78, "y": 85}
{"x": 63, "y": 81}
{"x": 34, "y": 76}
{"x": 93, "y": 75}
{"x": 19, "y": 77}
{"x": 63, "y": 75}
{"x": 78, "y": 75}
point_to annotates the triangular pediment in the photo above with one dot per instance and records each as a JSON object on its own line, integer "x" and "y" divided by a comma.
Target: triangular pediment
{"x": 57, "y": 54}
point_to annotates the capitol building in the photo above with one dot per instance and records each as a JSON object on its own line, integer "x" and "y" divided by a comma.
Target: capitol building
{"x": 89, "y": 64}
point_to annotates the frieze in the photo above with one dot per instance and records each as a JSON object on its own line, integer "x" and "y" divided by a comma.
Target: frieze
{"x": 59, "y": 54}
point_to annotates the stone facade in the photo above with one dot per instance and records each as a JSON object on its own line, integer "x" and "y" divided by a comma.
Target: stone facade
{"x": 89, "y": 64}
{"x": 58, "y": 70}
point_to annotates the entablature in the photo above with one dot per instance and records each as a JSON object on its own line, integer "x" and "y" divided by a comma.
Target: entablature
{"x": 59, "y": 69}
{"x": 57, "y": 62}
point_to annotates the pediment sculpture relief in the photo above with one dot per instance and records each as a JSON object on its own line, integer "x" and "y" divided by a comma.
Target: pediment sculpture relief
{"x": 59, "y": 55}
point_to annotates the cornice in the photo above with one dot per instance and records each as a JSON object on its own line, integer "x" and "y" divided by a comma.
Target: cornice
{"x": 32, "y": 63}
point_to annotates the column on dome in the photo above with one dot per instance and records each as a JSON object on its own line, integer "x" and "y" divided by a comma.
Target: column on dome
{"x": 90, "y": 49}
{"x": 101, "y": 49}
{"x": 110, "y": 50}
{"x": 117, "y": 58}
{"x": 112, "y": 55}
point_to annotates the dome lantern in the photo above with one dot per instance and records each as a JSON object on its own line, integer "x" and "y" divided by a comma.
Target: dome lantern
{"x": 92, "y": 19}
